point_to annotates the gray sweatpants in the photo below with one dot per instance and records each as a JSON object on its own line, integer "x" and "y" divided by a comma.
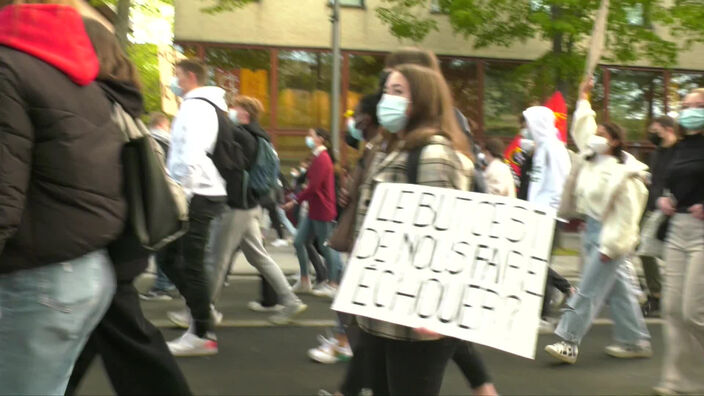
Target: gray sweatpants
{"x": 683, "y": 308}
{"x": 240, "y": 228}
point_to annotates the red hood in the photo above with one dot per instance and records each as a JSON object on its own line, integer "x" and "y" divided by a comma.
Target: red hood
{"x": 53, "y": 33}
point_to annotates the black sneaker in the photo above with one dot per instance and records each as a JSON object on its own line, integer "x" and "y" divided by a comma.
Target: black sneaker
{"x": 651, "y": 308}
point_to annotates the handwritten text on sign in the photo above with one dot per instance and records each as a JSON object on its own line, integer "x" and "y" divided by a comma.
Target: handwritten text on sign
{"x": 466, "y": 265}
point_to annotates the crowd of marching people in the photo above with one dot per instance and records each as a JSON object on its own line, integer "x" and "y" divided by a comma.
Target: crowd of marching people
{"x": 72, "y": 240}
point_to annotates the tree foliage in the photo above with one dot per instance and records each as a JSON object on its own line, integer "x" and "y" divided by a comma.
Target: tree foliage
{"x": 145, "y": 57}
{"x": 637, "y": 29}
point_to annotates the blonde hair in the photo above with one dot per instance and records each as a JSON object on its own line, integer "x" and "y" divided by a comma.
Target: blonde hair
{"x": 251, "y": 105}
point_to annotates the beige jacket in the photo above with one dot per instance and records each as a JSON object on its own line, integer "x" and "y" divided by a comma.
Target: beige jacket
{"x": 604, "y": 189}
{"x": 499, "y": 179}
{"x": 439, "y": 166}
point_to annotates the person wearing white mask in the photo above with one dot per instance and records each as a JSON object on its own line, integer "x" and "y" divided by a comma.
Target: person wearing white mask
{"x": 606, "y": 187}
{"x": 416, "y": 111}
{"x": 683, "y": 292}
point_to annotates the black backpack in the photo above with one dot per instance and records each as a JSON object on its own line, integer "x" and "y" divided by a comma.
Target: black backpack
{"x": 228, "y": 155}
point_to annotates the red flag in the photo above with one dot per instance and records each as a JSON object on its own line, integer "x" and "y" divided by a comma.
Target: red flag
{"x": 510, "y": 158}
{"x": 558, "y": 106}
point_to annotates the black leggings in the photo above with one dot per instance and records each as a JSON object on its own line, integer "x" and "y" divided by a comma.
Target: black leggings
{"x": 270, "y": 207}
{"x": 557, "y": 281}
{"x": 133, "y": 351}
{"x": 466, "y": 357}
{"x": 407, "y": 367}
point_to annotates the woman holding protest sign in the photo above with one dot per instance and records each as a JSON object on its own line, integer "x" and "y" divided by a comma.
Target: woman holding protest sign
{"x": 606, "y": 185}
{"x": 424, "y": 143}
{"x": 466, "y": 356}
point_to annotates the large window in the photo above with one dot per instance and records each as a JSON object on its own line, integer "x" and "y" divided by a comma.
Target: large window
{"x": 462, "y": 77}
{"x": 349, "y": 3}
{"x": 304, "y": 89}
{"x": 244, "y": 72}
{"x": 680, "y": 85}
{"x": 635, "y": 98}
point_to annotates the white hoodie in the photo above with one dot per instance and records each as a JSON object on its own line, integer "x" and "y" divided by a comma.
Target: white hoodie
{"x": 193, "y": 135}
{"x": 551, "y": 161}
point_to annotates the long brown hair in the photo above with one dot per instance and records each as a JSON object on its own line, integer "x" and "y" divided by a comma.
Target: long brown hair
{"x": 413, "y": 56}
{"x": 432, "y": 112}
{"x": 617, "y": 133}
{"x": 114, "y": 63}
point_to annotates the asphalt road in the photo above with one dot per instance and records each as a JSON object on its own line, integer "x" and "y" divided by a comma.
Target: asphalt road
{"x": 258, "y": 359}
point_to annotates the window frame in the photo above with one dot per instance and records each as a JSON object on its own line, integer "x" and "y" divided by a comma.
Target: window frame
{"x": 361, "y": 4}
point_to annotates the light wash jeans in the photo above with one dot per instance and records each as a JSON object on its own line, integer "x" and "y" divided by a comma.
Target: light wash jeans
{"x": 683, "y": 305}
{"x": 321, "y": 230}
{"x": 286, "y": 222}
{"x": 602, "y": 282}
{"x": 46, "y": 317}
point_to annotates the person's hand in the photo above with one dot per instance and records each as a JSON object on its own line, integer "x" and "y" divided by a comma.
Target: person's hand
{"x": 604, "y": 258}
{"x": 667, "y": 206}
{"x": 585, "y": 88}
{"x": 697, "y": 211}
{"x": 288, "y": 206}
{"x": 343, "y": 198}
{"x": 427, "y": 332}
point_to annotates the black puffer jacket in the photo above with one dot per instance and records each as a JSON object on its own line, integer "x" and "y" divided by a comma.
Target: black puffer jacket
{"x": 60, "y": 170}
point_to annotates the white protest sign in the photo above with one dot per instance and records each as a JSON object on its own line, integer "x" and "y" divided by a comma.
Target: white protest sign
{"x": 466, "y": 265}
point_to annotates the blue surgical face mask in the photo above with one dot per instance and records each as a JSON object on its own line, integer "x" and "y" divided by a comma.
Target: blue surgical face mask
{"x": 352, "y": 129}
{"x": 233, "y": 116}
{"x": 310, "y": 142}
{"x": 175, "y": 88}
{"x": 391, "y": 112}
{"x": 692, "y": 119}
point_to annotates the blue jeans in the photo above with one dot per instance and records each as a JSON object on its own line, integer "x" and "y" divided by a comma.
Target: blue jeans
{"x": 46, "y": 317}
{"x": 162, "y": 281}
{"x": 321, "y": 231}
{"x": 602, "y": 282}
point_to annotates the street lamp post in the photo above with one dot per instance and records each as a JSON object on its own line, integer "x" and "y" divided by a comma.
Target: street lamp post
{"x": 335, "y": 122}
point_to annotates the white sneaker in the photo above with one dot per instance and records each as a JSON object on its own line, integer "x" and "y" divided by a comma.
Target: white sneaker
{"x": 285, "y": 316}
{"x": 183, "y": 318}
{"x": 546, "y": 327}
{"x": 302, "y": 287}
{"x": 326, "y": 291}
{"x": 191, "y": 345}
{"x": 324, "y": 354}
{"x": 318, "y": 287}
{"x": 279, "y": 243}
{"x": 563, "y": 351}
{"x": 622, "y": 351}
{"x": 329, "y": 352}
{"x": 256, "y": 306}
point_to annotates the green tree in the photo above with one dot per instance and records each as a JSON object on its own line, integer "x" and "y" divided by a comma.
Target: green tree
{"x": 636, "y": 30}
{"x": 145, "y": 57}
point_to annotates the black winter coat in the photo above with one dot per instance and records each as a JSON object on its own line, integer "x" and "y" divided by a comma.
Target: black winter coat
{"x": 60, "y": 170}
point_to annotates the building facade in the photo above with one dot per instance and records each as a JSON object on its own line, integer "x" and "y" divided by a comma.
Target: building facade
{"x": 279, "y": 51}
